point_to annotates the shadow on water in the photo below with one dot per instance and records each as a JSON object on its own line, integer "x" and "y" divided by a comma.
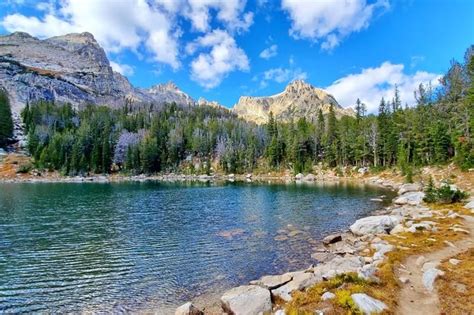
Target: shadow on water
{"x": 151, "y": 246}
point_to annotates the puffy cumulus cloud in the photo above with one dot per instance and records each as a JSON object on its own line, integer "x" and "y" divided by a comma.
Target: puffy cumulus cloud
{"x": 117, "y": 25}
{"x": 219, "y": 55}
{"x": 330, "y": 21}
{"x": 123, "y": 69}
{"x": 269, "y": 52}
{"x": 371, "y": 84}
{"x": 280, "y": 75}
{"x": 229, "y": 12}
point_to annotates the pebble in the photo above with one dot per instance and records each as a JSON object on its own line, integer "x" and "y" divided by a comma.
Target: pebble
{"x": 420, "y": 261}
{"x": 454, "y": 261}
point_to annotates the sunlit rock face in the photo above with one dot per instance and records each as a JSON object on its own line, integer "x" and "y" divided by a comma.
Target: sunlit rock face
{"x": 299, "y": 99}
{"x": 74, "y": 69}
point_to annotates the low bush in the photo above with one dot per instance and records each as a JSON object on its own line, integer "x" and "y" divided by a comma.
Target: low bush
{"x": 444, "y": 194}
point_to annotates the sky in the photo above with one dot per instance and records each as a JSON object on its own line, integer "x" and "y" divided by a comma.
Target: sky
{"x": 223, "y": 49}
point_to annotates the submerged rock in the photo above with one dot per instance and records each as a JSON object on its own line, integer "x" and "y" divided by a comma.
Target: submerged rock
{"x": 381, "y": 224}
{"x": 367, "y": 304}
{"x": 247, "y": 300}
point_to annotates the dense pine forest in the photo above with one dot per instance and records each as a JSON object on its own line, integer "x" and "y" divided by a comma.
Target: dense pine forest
{"x": 438, "y": 129}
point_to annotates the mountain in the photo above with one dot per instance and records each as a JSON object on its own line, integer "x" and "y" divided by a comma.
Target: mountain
{"x": 299, "y": 99}
{"x": 71, "y": 68}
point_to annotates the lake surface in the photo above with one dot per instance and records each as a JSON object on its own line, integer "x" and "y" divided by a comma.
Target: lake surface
{"x": 133, "y": 247}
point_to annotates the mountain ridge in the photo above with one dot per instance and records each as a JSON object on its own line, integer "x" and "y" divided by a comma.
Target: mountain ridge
{"x": 74, "y": 68}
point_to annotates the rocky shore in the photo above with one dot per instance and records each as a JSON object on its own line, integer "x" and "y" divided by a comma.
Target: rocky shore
{"x": 361, "y": 250}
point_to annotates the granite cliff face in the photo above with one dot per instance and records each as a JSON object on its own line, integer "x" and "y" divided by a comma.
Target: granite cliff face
{"x": 299, "y": 99}
{"x": 72, "y": 68}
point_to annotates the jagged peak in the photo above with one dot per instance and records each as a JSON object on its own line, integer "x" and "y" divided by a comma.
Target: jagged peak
{"x": 162, "y": 87}
{"x": 20, "y": 35}
{"x": 81, "y": 38}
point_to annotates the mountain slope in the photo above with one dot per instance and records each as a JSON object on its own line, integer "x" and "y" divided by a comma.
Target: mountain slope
{"x": 299, "y": 99}
{"x": 71, "y": 68}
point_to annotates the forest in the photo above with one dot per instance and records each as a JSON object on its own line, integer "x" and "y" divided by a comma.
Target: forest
{"x": 438, "y": 129}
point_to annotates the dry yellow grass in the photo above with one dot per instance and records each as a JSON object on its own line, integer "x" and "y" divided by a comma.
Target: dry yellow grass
{"x": 456, "y": 286}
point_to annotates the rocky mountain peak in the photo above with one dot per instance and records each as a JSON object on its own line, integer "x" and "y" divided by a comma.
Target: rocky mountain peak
{"x": 164, "y": 87}
{"x": 299, "y": 99}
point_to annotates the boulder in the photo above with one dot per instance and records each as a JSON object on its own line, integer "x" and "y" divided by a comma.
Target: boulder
{"x": 301, "y": 280}
{"x": 429, "y": 277}
{"x": 374, "y": 225}
{"x": 409, "y": 188}
{"x": 397, "y": 229}
{"x": 188, "y": 309}
{"x": 410, "y": 198}
{"x": 322, "y": 256}
{"x": 272, "y": 282}
{"x": 331, "y": 239}
{"x": 367, "y": 304}
{"x": 247, "y": 300}
{"x": 299, "y": 176}
{"x": 367, "y": 272}
{"x": 309, "y": 178}
{"x": 327, "y": 296}
{"x": 454, "y": 261}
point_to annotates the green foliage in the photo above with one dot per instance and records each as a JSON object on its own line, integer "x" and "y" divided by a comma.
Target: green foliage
{"x": 172, "y": 138}
{"x": 6, "y": 123}
{"x": 24, "y": 168}
{"x": 444, "y": 194}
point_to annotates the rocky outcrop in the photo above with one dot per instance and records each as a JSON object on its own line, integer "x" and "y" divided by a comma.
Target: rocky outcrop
{"x": 73, "y": 69}
{"x": 410, "y": 198}
{"x": 188, "y": 309}
{"x": 299, "y": 99}
{"x": 367, "y": 304}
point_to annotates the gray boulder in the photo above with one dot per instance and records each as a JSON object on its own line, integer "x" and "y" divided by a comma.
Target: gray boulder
{"x": 367, "y": 304}
{"x": 470, "y": 205}
{"x": 247, "y": 300}
{"x": 380, "y": 224}
{"x": 410, "y": 198}
{"x": 339, "y": 265}
{"x": 299, "y": 176}
{"x": 327, "y": 296}
{"x": 429, "y": 277}
{"x": 409, "y": 188}
{"x": 188, "y": 309}
{"x": 309, "y": 178}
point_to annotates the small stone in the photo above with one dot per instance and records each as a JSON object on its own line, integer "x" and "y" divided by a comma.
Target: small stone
{"x": 188, "y": 309}
{"x": 449, "y": 244}
{"x": 420, "y": 261}
{"x": 327, "y": 296}
{"x": 429, "y": 277}
{"x": 331, "y": 239}
{"x": 367, "y": 304}
{"x": 454, "y": 261}
{"x": 404, "y": 280}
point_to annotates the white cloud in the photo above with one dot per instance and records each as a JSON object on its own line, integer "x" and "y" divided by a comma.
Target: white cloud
{"x": 117, "y": 25}
{"x": 330, "y": 21}
{"x": 123, "y": 69}
{"x": 280, "y": 75}
{"x": 229, "y": 12}
{"x": 371, "y": 84}
{"x": 269, "y": 52}
{"x": 219, "y": 56}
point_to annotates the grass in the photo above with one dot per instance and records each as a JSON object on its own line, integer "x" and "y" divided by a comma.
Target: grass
{"x": 456, "y": 286}
{"x": 387, "y": 289}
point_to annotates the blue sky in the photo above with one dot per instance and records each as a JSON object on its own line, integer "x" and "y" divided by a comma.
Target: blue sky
{"x": 222, "y": 49}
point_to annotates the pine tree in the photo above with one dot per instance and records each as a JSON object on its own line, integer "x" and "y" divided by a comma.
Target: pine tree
{"x": 6, "y": 122}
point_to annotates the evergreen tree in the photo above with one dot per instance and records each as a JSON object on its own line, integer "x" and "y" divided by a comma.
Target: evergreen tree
{"x": 6, "y": 122}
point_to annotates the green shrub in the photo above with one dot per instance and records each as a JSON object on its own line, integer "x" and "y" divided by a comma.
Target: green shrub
{"x": 24, "y": 168}
{"x": 444, "y": 194}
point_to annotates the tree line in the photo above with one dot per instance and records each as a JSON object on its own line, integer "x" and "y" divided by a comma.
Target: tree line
{"x": 438, "y": 129}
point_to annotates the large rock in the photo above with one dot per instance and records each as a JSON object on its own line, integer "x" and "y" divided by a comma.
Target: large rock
{"x": 309, "y": 178}
{"x": 470, "y": 205}
{"x": 374, "y": 225}
{"x": 273, "y": 282}
{"x": 410, "y": 198}
{"x": 367, "y": 304}
{"x": 188, "y": 309}
{"x": 301, "y": 280}
{"x": 247, "y": 300}
{"x": 409, "y": 188}
{"x": 299, "y": 176}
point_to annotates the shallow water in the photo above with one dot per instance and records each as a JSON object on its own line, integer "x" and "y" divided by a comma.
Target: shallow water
{"x": 152, "y": 246}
